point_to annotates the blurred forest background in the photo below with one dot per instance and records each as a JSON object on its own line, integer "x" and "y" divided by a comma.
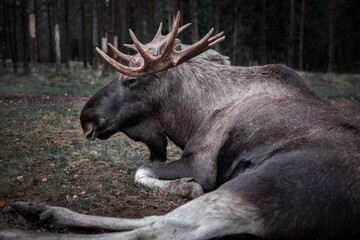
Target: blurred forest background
{"x": 321, "y": 35}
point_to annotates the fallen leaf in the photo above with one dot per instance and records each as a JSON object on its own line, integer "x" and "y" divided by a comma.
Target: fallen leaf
{"x": 50, "y": 200}
{"x": 118, "y": 193}
{"x": 20, "y": 178}
{"x": 19, "y": 191}
{"x": 2, "y": 204}
{"x": 44, "y": 179}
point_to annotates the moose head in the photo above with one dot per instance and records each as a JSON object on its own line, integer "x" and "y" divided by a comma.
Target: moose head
{"x": 132, "y": 101}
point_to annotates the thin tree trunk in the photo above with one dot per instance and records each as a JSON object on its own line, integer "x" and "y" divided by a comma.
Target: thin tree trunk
{"x": 301, "y": 40}
{"x": 291, "y": 37}
{"x": 263, "y": 33}
{"x": 3, "y": 34}
{"x": 163, "y": 12}
{"x": 332, "y": 35}
{"x": 90, "y": 36}
{"x": 57, "y": 37}
{"x": 9, "y": 31}
{"x": 104, "y": 34}
{"x": 25, "y": 36}
{"x": 67, "y": 36}
{"x": 83, "y": 30}
{"x": 234, "y": 38}
{"x": 194, "y": 20}
{"x": 94, "y": 36}
{"x": 32, "y": 32}
{"x": 124, "y": 22}
{"x": 37, "y": 24}
{"x": 14, "y": 53}
{"x": 51, "y": 36}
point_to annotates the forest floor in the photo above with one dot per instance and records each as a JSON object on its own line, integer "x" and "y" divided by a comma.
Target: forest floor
{"x": 44, "y": 157}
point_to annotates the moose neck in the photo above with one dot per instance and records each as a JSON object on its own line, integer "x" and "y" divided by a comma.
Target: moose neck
{"x": 195, "y": 91}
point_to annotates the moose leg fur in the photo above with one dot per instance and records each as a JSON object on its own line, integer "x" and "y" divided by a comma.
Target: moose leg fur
{"x": 63, "y": 217}
{"x": 214, "y": 214}
{"x": 184, "y": 186}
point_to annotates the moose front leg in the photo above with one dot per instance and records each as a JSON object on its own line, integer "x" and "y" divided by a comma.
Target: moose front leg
{"x": 184, "y": 177}
{"x": 63, "y": 217}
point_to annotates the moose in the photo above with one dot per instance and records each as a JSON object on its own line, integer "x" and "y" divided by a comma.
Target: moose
{"x": 263, "y": 154}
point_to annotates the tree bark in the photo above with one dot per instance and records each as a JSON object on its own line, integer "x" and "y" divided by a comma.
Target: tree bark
{"x": 263, "y": 34}
{"x": 194, "y": 20}
{"x": 57, "y": 37}
{"x": 37, "y": 24}
{"x": 14, "y": 52}
{"x": 103, "y": 34}
{"x": 3, "y": 34}
{"x": 332, "y": 9}
{"x": 301, "y": 40}
{"x": 9, "y": 30}
{"x": 67, "y": 36}
{"x": 291, "y": 36}
{"x": 83, "y": 31}
{"x": 25, "y": 36}
{"x": 51, "y": 35}
{"x": 32, "y": 32}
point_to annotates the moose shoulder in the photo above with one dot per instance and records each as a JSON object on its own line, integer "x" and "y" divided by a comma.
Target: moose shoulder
{"x": 273, "y": 158}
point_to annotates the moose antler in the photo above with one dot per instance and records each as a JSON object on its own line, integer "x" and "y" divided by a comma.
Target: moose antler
{"x": 143, "y": 63}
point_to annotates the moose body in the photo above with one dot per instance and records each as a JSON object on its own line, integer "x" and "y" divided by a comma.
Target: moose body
{"x": 273, "y": 158}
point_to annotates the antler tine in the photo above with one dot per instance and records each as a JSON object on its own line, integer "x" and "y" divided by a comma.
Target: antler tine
{"x": 158, "y": 33}
{"x": 132, "y": 72}
{"x": 123, "y": 56}
{"x": 172, "y": 36}
{"x": 147, "y": 58}
{"x": 131, "y": 46}
{"x": 183, "y": 28}
{"x": 216, "y": 42}
{"x": 219, "y": 35}
{"x": 194, "y": 49}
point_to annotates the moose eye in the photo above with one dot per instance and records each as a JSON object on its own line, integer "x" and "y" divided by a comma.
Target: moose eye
{"x": 128, "y": 82}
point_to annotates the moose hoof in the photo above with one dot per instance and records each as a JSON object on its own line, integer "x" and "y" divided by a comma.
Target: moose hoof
{"x": 188, "y": 188}
{"x": 29, "y": 212}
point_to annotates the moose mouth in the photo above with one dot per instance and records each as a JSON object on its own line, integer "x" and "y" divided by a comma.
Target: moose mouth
{"x": 91, "y": 131}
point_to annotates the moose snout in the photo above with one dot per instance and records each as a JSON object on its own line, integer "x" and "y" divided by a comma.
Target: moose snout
{"x": 89, "y": 130}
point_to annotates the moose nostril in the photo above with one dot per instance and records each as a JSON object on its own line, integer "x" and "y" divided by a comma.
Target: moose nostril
{"x": 89, "y": 129}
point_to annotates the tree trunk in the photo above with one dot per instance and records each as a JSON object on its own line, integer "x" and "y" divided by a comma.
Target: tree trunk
{"x": 263, "y": 34}
{"x": 194, "y": 20}
{"x": 25, "y": 36}
{"x": 124, "y": 22}
{"x": 3, "y": 34}
{"x": 51, "y": 35}
{"x": 57, "y": 37}
{"x": 14, "y": 52}
{"x": 83, "y": 31}
{"x": 9, "y": 31}
{"x": 301, "y": 40}
{"x": 32, "y": 32}
{"x": 291, "y": 36}
{"x": 37, "y": 24}
{"x": 215, "y": 19}
{"x": 103, "y": 34}
{"x": 332, "y": 35}
{"x": 67, "y": 36}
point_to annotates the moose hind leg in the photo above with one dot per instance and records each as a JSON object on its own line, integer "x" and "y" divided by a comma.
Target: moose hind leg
{"x": 219, "y": 213}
